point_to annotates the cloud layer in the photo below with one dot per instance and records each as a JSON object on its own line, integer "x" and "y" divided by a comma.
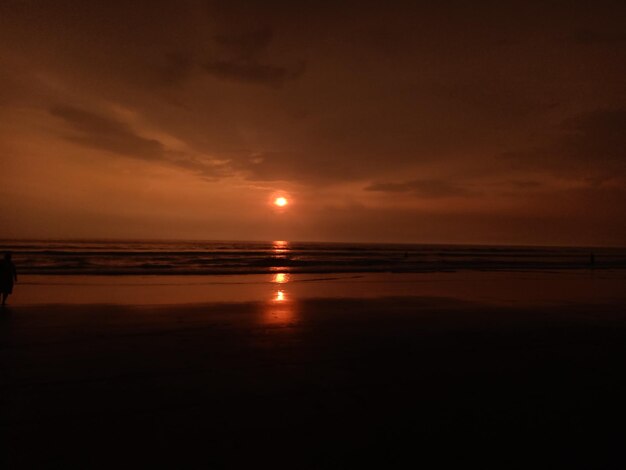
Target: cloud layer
{"x": 488, "y": 111}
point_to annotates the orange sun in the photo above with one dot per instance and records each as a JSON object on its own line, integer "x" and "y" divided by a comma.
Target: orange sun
{"x": 280, "y": 201}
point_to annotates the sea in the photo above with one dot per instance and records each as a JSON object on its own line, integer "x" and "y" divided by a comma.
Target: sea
{"x": 141, "y": 257}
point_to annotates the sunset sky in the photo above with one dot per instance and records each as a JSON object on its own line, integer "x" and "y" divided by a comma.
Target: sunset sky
{"x": 473, "y": 122}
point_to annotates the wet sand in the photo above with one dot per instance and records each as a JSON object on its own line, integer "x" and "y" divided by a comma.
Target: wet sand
{"x": 315, "y": 383}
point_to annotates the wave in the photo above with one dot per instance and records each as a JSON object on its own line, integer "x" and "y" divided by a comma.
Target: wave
{"x": 222, "y": 257}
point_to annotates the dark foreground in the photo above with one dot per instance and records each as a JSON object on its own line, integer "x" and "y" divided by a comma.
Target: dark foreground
{"x": 416, "y": 382}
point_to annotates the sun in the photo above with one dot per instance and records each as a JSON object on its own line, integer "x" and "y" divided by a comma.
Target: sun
{"x": 280, "y": 201}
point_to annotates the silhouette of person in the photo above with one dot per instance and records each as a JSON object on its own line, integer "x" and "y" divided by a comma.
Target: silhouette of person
{"x": 8, "y": 276}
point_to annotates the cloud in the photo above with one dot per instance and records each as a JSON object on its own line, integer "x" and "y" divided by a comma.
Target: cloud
{"x": 525, "y": 184}
{"x": 247, "y": 45}
{"x": 253, "y": 72}
{"x": 590, "y": 145}
{"x": 598, "y": 136}
{"x": 206, "y": 169}
{"x": 176, "y": 67}
{"x": 384, "y": 101}
{"x": 292, "y": 166}
{"x": 104, "y": 133}
{"x": 100, "y": 132}
{"x": 240, "y": 58}
{"x": 423, "y": 188}
{"x": 590, "y": 37}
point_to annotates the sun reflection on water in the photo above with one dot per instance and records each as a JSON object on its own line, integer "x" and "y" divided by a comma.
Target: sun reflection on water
{"x": 280, "y": 246}
{"x": 280, "y": 254}
{"x": 279, "y": 310}
{"x": 280, "y": 278}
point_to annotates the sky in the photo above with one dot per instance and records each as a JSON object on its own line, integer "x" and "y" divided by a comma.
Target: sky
{"x": 424, "y": 122}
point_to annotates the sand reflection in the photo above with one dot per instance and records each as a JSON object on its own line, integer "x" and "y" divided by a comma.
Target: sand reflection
{"x": 279, "y": 309}
{"x": 280, "y": 278}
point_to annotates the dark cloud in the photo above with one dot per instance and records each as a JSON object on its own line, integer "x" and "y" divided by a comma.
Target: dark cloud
{"x": 245, "y": 46}
{"x": 110, "y": 135}
{"x": 423, "y": 188}
{"x": 525, "y": 184}
{"x": 241, "y": 57}
{"x": 104, "y": 133}
{"x": 293, "y": 166}
{"x": 253, "y": 72}
{"x": 590, "y": 146}
{"x": 596, "y": 137}
{"x": 589, "y": 37}
{"x": 536, "y": 227}
{"x": 176, "y": 67}
{"x": 207, "y": 170}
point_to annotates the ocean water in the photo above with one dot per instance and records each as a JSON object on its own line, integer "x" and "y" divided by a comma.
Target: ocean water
{"x": 91, "y": 257}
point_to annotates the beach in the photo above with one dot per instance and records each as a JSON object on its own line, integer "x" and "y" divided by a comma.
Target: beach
{"x": 333, "y": 373}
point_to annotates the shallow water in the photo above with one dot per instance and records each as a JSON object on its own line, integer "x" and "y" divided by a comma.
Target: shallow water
{"x": 498, "y": 287}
